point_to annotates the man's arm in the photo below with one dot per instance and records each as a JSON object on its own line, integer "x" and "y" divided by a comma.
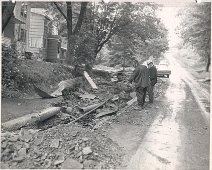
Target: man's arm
{"x": 134, "y": 74}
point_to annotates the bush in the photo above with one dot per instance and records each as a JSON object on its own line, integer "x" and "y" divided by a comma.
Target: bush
{"x": 9, "y": 66}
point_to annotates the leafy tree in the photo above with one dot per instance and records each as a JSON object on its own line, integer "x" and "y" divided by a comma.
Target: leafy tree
{"x": 195, "y": 29}
{"x": 144, "y": 36}
{"x": 89, "y": 27}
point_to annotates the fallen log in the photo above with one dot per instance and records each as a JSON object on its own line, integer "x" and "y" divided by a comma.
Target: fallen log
{"x": 30, "y": 119}
{"x": 91, "y": 110}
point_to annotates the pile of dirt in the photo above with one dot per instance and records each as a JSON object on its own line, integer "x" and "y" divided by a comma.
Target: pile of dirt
{"x": 44, "y": 74}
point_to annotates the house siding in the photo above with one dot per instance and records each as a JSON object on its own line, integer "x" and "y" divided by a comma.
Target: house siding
{"x": 36, "y": 33}
{"x": 12, "y": 31}
{"x": 39, "y": 32}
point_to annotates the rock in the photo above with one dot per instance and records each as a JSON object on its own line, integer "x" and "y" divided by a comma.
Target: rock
{"x": 69, "y": 110}
{"x": 51, "y": 155}
{"x": 3, "y": 139}
{"x": 85, "y": 139}
{"x": 95, "y": 154}
{"x": 13, "y": 138}
{"x": 6, "y": 151}
{"x": 72, "y": 148}
{"x": 6, "y": 134}
{"x": 83, "y": 145}
{"x": 55, "y": 143}
{"x": 86, "y": 150}
{"x": 79, "y": 154}
{"x": 80, "y": 159}
{"x": 18, "y": 159}
{"x": 25, "y": 135}
{"x": 22, "y": 152}
{"x": 4, "y": 144}
{"x": 38, "y": 141}
{"x": 115, "y": 98}
{"x": 60, "y": 160}
{"x": 11, "y": 147}
{"x": 43, "y": 157}
{"x": 47, "y": 163}
{"x": 33, "y": 131}
{"x": 71, "y": 164}
{"x": 74, "y": 134}
{"x": 87, "y": 164}
{"x": 77, "y": 147}
{"x": 64, "y": 116}
{"x": 27, "y": 146}
{"x": 19, "y": 145}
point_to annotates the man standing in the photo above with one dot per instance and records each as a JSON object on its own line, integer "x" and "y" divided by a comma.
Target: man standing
{"x": 140, "y": 77}
{"x": 153, "y": 79}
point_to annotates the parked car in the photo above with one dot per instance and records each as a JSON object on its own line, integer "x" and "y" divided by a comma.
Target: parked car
{"x": 163, "y": 69}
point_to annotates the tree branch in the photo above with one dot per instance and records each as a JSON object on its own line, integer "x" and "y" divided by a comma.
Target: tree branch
{"x": 62, "y": 13}
{"x": 99, "y": 47}
{"x": 81, "y": 16}
{"x": 69, "y": 17}
{"x": 7, "y": 13}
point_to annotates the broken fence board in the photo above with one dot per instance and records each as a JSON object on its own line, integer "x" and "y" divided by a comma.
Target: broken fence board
{"x": 87, "y": 96}
{"x": 88, "y": 78}
{"x": 132, "y": 101}
{"x": 105, "y": 113}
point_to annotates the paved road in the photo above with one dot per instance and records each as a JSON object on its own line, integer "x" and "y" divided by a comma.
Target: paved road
{"x": 179, "y": 136}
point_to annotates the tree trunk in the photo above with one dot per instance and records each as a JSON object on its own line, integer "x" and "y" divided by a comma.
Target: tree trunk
{"x": 208, "y": 63}
{"x": 7, "y": 13}
{"x": 70, "y": 32}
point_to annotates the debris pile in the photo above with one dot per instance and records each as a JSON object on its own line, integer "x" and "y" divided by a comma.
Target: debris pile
{"x": 62, "y": 141}
{"x": 63, "y": 146}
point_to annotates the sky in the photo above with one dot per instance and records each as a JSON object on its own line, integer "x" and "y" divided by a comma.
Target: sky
{"x": 170, "y": 20}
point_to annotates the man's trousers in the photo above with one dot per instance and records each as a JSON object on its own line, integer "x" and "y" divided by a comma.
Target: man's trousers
{"x": 141, "y": 95}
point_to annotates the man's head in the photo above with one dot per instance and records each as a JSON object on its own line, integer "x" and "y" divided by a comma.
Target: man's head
{"x": 149, "y": 63}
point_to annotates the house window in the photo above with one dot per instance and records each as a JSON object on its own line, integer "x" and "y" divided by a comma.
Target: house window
{"x": 23, "y": 10}
{"x": 35, "y": 42}
{"x": 22, "y": 35}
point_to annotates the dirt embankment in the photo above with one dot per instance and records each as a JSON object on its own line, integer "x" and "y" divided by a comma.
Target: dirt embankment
{"x": 44, "y": 74}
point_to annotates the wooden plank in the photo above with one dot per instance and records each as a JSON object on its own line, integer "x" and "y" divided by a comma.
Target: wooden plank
{"x": 132, "y": 101}
{"x": 93, "y": 85}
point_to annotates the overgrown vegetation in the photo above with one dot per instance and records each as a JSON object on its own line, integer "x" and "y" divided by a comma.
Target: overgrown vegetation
{"x": 9, "y": 66}
{"x": 195, "y": 30}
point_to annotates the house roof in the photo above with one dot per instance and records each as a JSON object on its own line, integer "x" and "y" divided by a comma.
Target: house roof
{"x": 43, "y": 12}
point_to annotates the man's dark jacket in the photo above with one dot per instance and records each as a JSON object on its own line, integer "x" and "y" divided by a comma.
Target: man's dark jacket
{"x": 153, "y": 75}
{"x": 140, "y": 76}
